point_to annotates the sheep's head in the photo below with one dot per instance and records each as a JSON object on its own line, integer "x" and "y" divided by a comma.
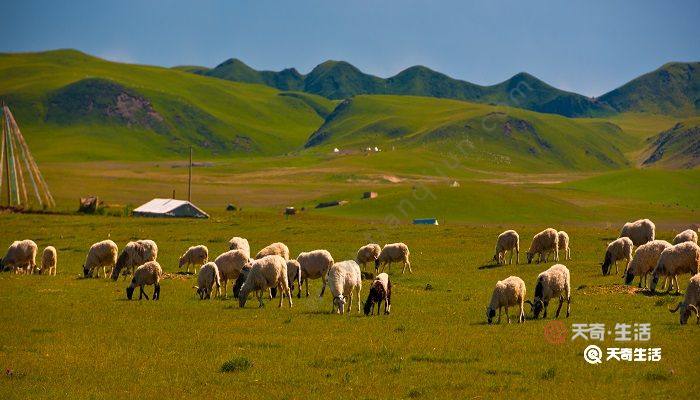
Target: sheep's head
{"x": 339, "y": 301}
{"x": 686, "y": 311}
{"x": 368, "y": 305}
{"x": 537, "y": 306}
{"x": 130, "y": 291}
{"x": 200, "y": 292}
{"x": 530, "y": 256}
{"x": 629, "y": 277}
{"x": 86, "y": 271}
{"x": 181, "y": 262}
{"x": 654, "y": 281}
{"x": 240, "y": 280}
{"x": 490, "y": 314}
{"x": 243, "y": 296}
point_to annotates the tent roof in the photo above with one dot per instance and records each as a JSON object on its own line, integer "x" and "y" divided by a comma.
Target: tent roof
{"x": 170, "y": 208}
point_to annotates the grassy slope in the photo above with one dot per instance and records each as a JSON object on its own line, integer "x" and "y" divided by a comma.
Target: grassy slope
{"x": 84, "y": 341}
{"x": 275, "y": 123}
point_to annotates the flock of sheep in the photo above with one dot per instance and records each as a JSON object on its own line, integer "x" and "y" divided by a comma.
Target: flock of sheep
{"x": 659, "y": 258}
{"x": 272, "y": 271}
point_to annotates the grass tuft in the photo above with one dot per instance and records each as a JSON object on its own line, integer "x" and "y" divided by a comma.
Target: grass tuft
{"x": 237, "y": 364}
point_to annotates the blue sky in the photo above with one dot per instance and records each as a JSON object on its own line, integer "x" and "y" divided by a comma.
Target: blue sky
{"x": 589, "y": 47}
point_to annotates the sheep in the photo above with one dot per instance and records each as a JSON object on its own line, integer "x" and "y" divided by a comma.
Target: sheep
{"x": 640, "y": 231}
{"x": 150, "y": 273}
{"x": 676, "y": 260}
{"x": 380, "y": 290}
{"x": 507, "y": 241}
{"x": 345, "y": 282}
{"x": 314, "y": 265}
{"x": 293, "y": 274}
{"x": 542, "y": 244}
{"x": 101, "y": 254}
{"x": 618, "y": 249}
{"x": 644, "y": 260}
{"x": 556, "y": 281}
{"x": 48, "y": 261}
{"x": 239, "y": 243}
{"x": 230, "y": 265}
{"x": 563, "y": 239}
{"x": 262, "y": 274}
{"x": 691, "y": 302}
{"x": 391, "y": 253}
{"x": 687, "y": 235}
{"x": 368, "y": 253}
{"x": 278, "y": 248}
{"x": 20, "y": 256}
{"x": 195, "y": 256}
{"x": 507, "y": 293}
{"x": 135, "y": 254}
{"x": 206, "y": 280}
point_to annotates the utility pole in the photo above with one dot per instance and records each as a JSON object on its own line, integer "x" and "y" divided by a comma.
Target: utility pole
{"x": 189, "y": 180}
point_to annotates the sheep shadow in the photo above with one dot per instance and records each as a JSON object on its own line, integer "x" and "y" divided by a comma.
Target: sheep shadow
{"x": 492, "y": 266}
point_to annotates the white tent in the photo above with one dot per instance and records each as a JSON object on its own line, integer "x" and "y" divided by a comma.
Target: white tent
{"x": 170, "y": 208}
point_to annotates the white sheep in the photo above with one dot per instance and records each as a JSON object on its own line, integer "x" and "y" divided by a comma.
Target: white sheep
{"x": 378, "y": 292}
{"x": 563, "y": 239}
{"x": 542, "y": 244}
{"x": 691, "y": 302}
{"x": 239, "y": 243}
{"x": 640, "y": 231}
{"x": 345, "y": 282}
{"x": 509, "y": 292}
{"x": 277, "y": 248}
{"x": 147, "y": 274}
{"x": 20, "y": 256}
{"x": 314, "y": 265}
{"x": 207, "y": 280}
{"x": 391, "y": 253}
{"x": 368, "y": 254}
{"x": 101, "y": 255}
{"x": 679, "y": 259}
{"x": 618, "y": 249}
{"x": 49, "y": 259}
{"x": 230, "y": 265}
{"x": 263, "y": 274}
{"x": 508, "y": 241}
{"x": 195, "y": 256}
{"x": 687, "y": 235}
{"x": 644, "y": 260}
{"x": 135, "y": 254}
{"x": 293, "y": 274}
{"x": 552, "y": 283}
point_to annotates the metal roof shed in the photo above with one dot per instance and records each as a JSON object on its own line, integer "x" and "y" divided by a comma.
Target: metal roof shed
{"x": 169, "y": 208}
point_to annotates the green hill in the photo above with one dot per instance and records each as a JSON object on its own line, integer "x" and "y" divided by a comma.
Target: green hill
{"x": 678, "y": 147}
{"x": 96, "y": 109}
{"x": 501, "y": 137}
{"x": 672, "y": 89}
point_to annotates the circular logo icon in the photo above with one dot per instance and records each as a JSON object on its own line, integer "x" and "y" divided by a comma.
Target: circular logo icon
{"x": 555, "y": 332}
{"x": 593, "y": 354}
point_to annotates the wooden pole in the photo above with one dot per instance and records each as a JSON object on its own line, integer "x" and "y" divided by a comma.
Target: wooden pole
{"x": 189, "y": 180}
{"x": 3, "y": 160}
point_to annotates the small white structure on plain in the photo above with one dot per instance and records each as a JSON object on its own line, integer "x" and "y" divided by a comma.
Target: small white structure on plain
{"x": 336, "y": 150}
{"x": 169, "y": 208}
{"x": 376, "y": 148}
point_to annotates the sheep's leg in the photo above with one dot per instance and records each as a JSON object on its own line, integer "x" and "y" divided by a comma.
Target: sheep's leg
{"x": 323, "y": 288}
{"x": 409, "y": 266}
{"x": 521, "y": 316}
{"x": 507, "y": 315}
{"x": 546, "y": 304}
{"x": 259, "y": 293}
{"x": 156, "y": 291}
{"x": 289, "y": 297}
{"x": 281, "y": 292}
{"x": 307, "y": 287}
{"x": 568, "y": 306}
{"x": 675, "y": 280}
{"x": 517, "y": 256}
{"x": 499, "y": 315}
{"x": 561, "y": 302}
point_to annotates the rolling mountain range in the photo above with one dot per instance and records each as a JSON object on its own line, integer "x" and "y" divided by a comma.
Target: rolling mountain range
{"x": 672, "y": 89}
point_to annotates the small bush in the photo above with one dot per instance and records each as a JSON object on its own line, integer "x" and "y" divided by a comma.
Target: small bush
{"x": 237, "y": 364}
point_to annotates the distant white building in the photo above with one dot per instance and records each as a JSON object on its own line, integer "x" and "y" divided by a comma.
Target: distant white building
{"x": 336, "y": 150}
{"x": 169, "y": 208}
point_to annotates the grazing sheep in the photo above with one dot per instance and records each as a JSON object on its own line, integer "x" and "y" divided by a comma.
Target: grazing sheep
{"x": 149, "y": 273}
{"x": 230, "y": 265}
{"x": 509, "y": 292}
{"x": 507, "y": 241}
{"x": 378, "y": 292}
{"x": 134, "y": 254}
{"x": 391, "y": 253}
{"x": 544, "y": 243}
{"x": 618, "y": 249}
{"x": 644, "y": 260}
{"x": 314, "y": 265}
{"x": 640, "y": 231}
{"x": 676, "y": 260}
{"x": 344, "y": 282}
{"x": 21, "y": 257}
{"x": 278, "y": 248}
{"x": 48, "y": 261}
{"x": 101, "y": 254}
{"x": 262, "y": 274}
{"x": 368, "y": 254}
{"x": 195, "y": 256}
{"x": 563, "y": 239}
{"x": 687, "y": 235}
{"x": 206, "y": 280}
{"x": 293, "y": 274}
{"x": 556, "y": 281}
{"x": 239, "y": 243}
{"x": 691, "y": 302}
